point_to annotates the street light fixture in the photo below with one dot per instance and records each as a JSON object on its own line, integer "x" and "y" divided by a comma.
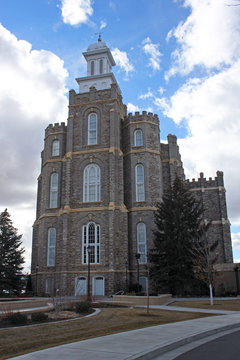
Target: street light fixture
{"x": 88, "y": 283}
{"x": 137, "y": 258}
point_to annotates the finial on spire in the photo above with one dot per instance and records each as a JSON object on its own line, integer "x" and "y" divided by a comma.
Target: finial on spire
{"x": 99, "y": 35}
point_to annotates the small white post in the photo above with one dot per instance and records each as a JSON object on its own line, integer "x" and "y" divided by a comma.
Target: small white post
{"x": 211, "y": 294}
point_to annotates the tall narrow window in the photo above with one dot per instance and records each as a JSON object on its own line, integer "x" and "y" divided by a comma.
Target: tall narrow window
{"x": 55, "y": 148}
{"x": 92, "y": 67}
{"x": 91, "y": 183}
{"x": 141, "y": 243}
{"x": 51, "y": 247}
{"x": 138, "y": 138}
{"x": 101, "y": 66}
{"x": 91, "y": 238}
{"x": 50, "y": 286}
{"x": 92, "y": 129}
{"x": 54, "y": 190}
{"x": 139, "y": 174}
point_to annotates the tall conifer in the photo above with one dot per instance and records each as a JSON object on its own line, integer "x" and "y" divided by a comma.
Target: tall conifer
{"x": 11, "y": 258}
{"x": 178, "y": 220}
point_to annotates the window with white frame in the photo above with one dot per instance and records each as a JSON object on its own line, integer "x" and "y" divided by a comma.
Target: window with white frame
{"x": 138, "y": 138}
{"x": 92, "y": 129}
{"x": 55, "y": 148}
{"x": 51, "y": 247}
{"x": 91, "y": 241}
{"x": 139, "y": 175}
{"x": 91, "y": 183}
{"x": 141, "y": 242}
{"x": 53, "y": 190}
{"x": 92, "y": 67}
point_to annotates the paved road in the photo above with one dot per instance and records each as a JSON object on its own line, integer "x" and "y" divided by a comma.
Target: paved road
{"x": 226, "y": 347}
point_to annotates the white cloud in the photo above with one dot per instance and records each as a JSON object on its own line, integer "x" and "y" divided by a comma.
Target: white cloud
{"x": 32, "y": 95}
{"x": 210, "y": 109}
{"x": 161, "y": 90}
{"x": 76, "y": 12}
{"x": 122, "y": 60}
{"x": 209, "y": 37}
{"x": 103, "y": 25}
{"x": 147, "y": 95}
{"x": 236, "y": 241}
{"x": 132, "y": 108}
{"x": 153, "y": 52}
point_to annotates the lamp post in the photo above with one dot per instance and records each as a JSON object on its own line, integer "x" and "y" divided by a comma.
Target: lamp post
{"x": 88, "y": 282}
{"x": 36, "y": 280}
{"x": 137, "y": 258}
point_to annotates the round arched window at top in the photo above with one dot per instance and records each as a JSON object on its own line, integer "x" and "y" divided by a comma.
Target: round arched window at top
{"x": 55, "y": 148}
{"x": 138, "y": 138}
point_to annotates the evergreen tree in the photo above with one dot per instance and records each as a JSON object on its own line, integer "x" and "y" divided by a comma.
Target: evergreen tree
{"x": 11, "y": 258}
{"x": 178, "y": 228}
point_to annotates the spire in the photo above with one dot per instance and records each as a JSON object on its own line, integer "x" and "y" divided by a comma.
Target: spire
{"x": 99, "y": 67}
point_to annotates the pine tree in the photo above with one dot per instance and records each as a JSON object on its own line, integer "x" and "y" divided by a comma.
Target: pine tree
{"x": 11, "y": 258}
{"x": 178, "y": 228}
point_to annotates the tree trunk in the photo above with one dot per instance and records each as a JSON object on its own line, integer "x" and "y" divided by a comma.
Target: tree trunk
{"x": 211, "y": 294}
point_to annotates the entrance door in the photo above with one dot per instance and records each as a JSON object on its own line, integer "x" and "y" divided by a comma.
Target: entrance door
{"x": 80, "y": 286}
{"x": 98, "y": 289}
{"x": 144, "y": 283}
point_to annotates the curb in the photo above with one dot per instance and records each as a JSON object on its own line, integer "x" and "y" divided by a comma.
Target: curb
{"x": 156, "y": 351}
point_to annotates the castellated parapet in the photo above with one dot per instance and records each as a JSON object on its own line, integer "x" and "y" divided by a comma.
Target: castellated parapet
{"x": 144, "y": 116}
{"x": 204, "y": 183}
{"x": 55, "y": 128}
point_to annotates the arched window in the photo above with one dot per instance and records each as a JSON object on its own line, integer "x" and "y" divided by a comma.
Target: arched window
{"x": 53, "y": 190}
{"x": 138, "y": 138}
{"x": 55, "y": 148}
{"x": 92, "y": 129}
{"x": 101, "y": 66}
{"x": 91, "y": 242}
{"x": 91, "y": 183}
{"x": 139, "y": 174}
{"x": 51, "y": 247}
{"x": 141, "y": 243}
{"x": 92, "y": 67}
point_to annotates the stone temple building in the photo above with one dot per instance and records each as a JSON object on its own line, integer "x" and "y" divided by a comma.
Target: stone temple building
{"x": 101, "y": 176}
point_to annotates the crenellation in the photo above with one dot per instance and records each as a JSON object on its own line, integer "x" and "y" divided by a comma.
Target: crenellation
{"x": 207, "y": 183}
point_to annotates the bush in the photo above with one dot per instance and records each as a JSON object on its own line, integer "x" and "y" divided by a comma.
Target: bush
{"x": 39, "y": 317}
{"x": 83, "y": 307}
{"x": 16, "y": 319}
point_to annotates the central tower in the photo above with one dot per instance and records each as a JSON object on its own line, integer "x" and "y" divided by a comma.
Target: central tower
{"x": 81, "y": 190}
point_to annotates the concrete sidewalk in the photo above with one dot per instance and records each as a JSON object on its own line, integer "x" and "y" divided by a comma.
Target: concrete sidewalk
{"x": 139, "y": 344}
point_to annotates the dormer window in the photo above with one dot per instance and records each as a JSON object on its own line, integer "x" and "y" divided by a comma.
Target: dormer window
{"x": 92, "y": 67}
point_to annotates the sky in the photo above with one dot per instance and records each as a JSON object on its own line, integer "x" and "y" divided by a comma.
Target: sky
{"x": 179, "y": 59}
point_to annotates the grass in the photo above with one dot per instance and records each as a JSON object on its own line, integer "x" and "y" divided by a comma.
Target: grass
{"x": 233, "y": 305}
{"x": 17, "y": 341}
